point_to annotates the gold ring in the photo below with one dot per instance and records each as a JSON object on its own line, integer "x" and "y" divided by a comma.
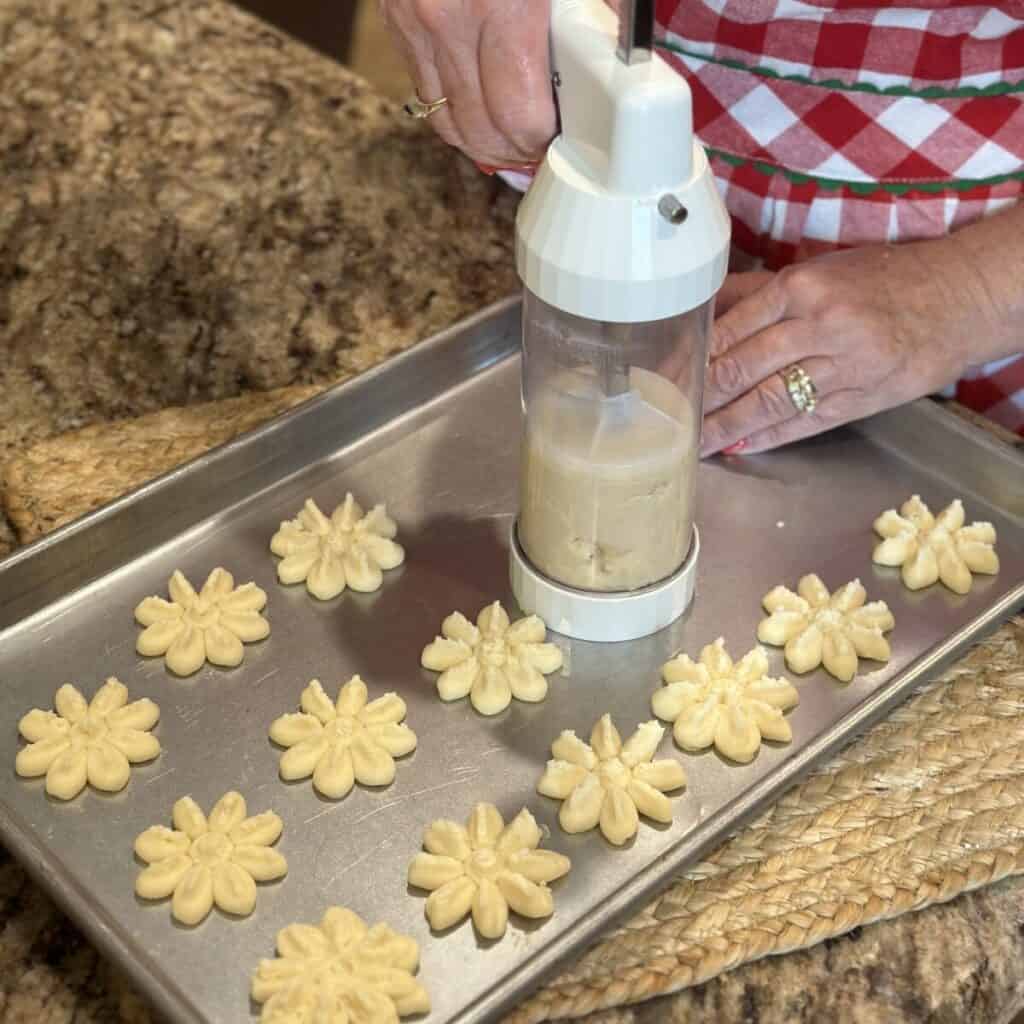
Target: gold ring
{"x": 419, "y": 109}
{"x": 802, "y": 391}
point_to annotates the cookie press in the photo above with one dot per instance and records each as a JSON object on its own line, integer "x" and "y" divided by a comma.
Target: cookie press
{"x": 621, "y": 243}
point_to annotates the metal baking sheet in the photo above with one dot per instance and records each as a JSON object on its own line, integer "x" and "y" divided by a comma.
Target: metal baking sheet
{"x": 434, "y": 433}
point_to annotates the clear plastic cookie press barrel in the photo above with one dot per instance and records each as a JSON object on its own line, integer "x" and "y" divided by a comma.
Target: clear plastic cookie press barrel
{"x": 610, "y": 445}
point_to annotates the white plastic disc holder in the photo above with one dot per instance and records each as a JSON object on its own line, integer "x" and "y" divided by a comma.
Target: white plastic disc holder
{"x": 607, "y": 617}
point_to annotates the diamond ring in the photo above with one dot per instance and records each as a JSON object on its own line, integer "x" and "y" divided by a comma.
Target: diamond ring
{"x": 802, "y": 391}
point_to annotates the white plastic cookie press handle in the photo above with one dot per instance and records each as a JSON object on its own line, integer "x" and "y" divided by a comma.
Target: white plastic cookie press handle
{"x": 590, "y": 239}
{"x": 627, "y": 127}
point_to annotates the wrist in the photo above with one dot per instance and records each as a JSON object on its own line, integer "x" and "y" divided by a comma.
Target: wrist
{"x": 985, "y": 260}
{"x": 955, "y": 311}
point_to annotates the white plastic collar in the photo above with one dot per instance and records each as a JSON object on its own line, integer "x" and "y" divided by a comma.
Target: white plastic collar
{"x": 586, "y": 615}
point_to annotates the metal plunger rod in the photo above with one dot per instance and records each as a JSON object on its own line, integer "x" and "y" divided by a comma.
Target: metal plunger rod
{"x": 614, "y": 369}
{"x": 636, "y": 31}
{"x": 636, "y": 41}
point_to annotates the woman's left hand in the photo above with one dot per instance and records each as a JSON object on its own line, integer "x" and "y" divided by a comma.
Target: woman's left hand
{"x": 872, "y": 328}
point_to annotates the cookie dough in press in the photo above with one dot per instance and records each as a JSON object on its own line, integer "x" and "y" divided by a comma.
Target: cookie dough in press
{"x": 493, "y": 661}
{"x": 205, "y": 861}
{"x": 349, "y": 548}
{"x": 94, "y": 742}
{"x": 729, "y": 704}
{"x": 609, "y": 783}
{"x": 212, "y": 625}
{"x": 817, "y": 628}
{"x": 607, "y": 486}
{"x": 930, "y": 548}
{"x": 486, "y": 869}
{"x": 341, "y": 970}
{"x": 343, "y": 742}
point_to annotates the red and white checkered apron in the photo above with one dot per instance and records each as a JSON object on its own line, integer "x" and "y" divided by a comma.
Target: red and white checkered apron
{"x": 836, "y": 123}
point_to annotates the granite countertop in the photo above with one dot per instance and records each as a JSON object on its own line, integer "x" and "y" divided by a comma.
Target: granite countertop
{"x": 193, "y": 207}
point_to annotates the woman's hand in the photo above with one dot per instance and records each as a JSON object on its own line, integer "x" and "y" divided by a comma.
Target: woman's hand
{"x": 872, "y": 327}
{"x": 490, "y": 59}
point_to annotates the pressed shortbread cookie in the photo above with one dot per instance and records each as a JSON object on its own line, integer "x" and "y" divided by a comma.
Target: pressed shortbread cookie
{"x": 493, "y": 661}
{"x": 345, "y": 741}
{"x": 349, "y": 548}
{"x": 728, "y": 704}
{"x": 486, "y": 869}
{"x": 340, "y": 970}
{"x": 608, "y": 783}
{"x": 818, "y": 628}
{"x": 930, "y": 548}
{"x": 212, "y": 625}
{"x": 94, "y": 742}
{"x": 205, "y": 861}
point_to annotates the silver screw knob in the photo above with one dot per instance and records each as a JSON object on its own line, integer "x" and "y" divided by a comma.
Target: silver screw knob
{"x": 671, "y": 209}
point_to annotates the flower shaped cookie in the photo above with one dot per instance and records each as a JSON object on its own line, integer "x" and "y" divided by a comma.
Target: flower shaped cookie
{"x": 346, "y": 742}
{"x": 931, "y": 548}
{"x": 95, "y": 742}
{"x": 349, "y": 549}
{"x": 817, "y": 628}
{"x": 609, "y": 783}
{"x": 492, "y": 661}
{"x": 202, "y": 861}
{"x": 341, "y": 971}
{"x": 209, "y": 626}
{"x": 486, "y": 869}
{"x": 730, "y": 704}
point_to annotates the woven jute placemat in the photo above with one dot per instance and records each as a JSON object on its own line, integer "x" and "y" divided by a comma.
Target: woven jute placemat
{"x": 925, "y": 806}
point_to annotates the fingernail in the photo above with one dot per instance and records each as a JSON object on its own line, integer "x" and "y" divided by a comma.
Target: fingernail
{"x": 735, "y": 449}
{"x": 518, "y": 169}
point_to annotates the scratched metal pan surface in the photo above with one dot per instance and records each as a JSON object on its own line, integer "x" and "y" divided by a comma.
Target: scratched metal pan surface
{"x": 434, "y": 433}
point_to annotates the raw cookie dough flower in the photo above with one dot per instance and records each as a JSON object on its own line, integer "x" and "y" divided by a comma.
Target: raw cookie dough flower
{"x": 209, "y": 626}
{"x": 348, "y": 549}
{"x": 485, "y": 869}
{"x": 732, "y": 705}
{"x": 95, "y": 742}
{"x": 931, "y": 548}
{"x": 609, "y": 783}
{"x": 345, "y": 742}
{"x": 340, "y": 970}
{"x": 492, "y": 661}
{"x": 205, "y": 861}
{"x": 817, "y": 628}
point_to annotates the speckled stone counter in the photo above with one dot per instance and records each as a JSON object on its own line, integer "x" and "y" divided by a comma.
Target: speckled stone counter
{"x": 192, "y": 207}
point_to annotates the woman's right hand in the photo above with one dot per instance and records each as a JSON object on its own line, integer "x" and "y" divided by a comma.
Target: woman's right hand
{"x": 490, "y": 59}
